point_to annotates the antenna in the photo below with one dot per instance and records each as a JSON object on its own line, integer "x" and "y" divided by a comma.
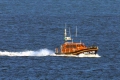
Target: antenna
{"x": 65, "y": 31}
{"x": 69, "y": 32}
{"x": 76, "y": 31}
{"x": 65, "y": 25}
{"x": 72, "y": 40}
{"x": 80, "y": 41}
{"x": 66, "y": 37}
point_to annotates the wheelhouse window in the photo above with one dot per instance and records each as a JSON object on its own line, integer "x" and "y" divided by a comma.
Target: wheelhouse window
{"x": 70, "y": 46}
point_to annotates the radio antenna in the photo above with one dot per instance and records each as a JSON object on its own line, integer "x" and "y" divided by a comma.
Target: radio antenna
{"x": 76, "y": 31}
{"x": 69, "y": 32}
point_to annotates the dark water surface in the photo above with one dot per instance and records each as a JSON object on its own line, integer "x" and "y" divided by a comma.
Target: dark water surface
{"x": 28, "y": 25}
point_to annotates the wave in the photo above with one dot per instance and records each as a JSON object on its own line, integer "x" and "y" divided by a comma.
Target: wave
{"x": 81, "y": 55}
{"x": 41, "y": 52}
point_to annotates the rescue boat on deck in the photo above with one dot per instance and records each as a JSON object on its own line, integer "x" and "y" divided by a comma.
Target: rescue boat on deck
{"x": 74, "y": 48}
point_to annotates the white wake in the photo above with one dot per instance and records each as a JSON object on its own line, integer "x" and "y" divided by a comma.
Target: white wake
{"x": 89, "y": 55}
{"x": 41, "y": 52}
{"x": 81, "y": 55}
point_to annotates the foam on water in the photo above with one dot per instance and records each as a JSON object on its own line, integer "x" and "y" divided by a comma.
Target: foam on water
{"x": 81, "y": 55}
{"x": 90, "y": 55}
{"x": 41, "y": 52}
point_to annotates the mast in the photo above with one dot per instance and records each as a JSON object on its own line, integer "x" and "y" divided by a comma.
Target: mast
{"x": 76, "y": 31}
{"x": 69, "y": 32}
{"x": 65, "y": 35}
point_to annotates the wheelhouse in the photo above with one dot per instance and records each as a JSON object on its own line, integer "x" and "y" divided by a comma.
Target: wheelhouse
{"x": 72, "y": 47}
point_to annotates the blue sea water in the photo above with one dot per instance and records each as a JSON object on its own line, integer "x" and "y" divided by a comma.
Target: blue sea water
{"x": 35, "y": 27}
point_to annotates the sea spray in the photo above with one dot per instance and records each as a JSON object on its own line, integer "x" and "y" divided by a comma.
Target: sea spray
{"x": 41, "y": 52}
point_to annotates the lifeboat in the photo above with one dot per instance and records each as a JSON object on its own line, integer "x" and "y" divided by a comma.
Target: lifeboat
{"x": 75, "y": 48}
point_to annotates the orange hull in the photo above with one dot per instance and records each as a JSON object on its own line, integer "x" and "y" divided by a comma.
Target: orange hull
{"x": 75, "y": 49}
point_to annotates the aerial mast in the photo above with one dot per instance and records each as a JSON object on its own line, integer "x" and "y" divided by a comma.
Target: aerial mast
{"x": 76, "y": 31}
{"x": 65, "y": 35}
